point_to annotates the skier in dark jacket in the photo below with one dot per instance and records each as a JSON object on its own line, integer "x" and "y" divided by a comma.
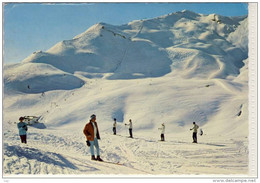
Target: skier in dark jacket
{"x": 114, "y": 126}
{"x": 92, "y": 134}
{"x": 22, "y": 130}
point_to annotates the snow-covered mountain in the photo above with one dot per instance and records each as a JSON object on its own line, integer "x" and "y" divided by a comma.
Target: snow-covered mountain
{"x": 176, "y": 69}
{"x": 149, "y": 48}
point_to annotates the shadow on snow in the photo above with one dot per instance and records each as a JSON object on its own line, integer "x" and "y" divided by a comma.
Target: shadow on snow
{"x": 32, "y": 153}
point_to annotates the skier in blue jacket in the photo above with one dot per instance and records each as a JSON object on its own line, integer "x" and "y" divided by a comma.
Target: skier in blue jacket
{"x": 22, "y": 130}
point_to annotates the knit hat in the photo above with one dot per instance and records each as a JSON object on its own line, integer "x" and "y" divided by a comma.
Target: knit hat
{"x": 92, "y": 116}
{"x": 21, "y": 118}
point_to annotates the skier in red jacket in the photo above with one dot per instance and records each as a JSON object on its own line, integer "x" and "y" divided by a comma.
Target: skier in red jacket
{"x": 92, "y": 134}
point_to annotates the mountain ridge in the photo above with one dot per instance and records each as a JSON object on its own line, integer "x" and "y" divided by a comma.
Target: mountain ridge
{"x": 102, "y": 47}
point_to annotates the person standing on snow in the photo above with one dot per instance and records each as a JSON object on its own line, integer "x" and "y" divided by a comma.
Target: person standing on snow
{"x": 22, "y": 130}
{"x": 195, "y": 130}
{"x": 114, "y": 126}
{"x": 130, "y": 128}
{"x": 92, "y": 134}
{"x": 162, "y": 132}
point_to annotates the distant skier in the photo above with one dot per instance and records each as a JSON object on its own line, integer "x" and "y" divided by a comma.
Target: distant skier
{"x": 114, "y": 126}
{"x": 195, "y": 130}
{"x": 130, "y": 128}
{"x": 162, "y": 132}
{"x": 92, "y": 134}
{"x": 22, "y": 130}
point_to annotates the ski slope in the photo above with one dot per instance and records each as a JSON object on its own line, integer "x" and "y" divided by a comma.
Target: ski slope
{"x": 173, "y": 69}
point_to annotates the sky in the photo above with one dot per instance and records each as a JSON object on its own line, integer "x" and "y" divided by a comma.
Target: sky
{"x": 30, "y": 27}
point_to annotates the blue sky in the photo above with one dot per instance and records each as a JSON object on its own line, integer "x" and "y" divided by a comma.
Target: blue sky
{"x": 29, "y": 27}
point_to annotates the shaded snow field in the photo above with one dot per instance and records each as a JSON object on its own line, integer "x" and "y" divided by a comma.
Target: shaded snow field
{"x": 174, "y": 69}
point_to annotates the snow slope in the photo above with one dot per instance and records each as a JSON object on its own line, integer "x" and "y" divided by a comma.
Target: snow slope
{"x": 37, "y": 78}
{"x": 176, "y": 69}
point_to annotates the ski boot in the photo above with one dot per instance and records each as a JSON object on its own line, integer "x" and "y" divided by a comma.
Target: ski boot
{"x": 99, "y": 159}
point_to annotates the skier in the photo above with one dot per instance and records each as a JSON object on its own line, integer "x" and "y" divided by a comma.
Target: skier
{"x": 162, "y": 132}
{"x": 114, "y": 126}
{"x": 130, "y": 128}
{"x": 92, "y": 134}
{"x": 22, "y": 130}
{"x": 195, "y": 130}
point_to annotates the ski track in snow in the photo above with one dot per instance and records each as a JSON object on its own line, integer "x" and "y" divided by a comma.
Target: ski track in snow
{"x": 48, "y": 153}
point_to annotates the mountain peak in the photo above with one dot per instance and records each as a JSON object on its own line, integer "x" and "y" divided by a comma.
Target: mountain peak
{"x": 188, "y": 11}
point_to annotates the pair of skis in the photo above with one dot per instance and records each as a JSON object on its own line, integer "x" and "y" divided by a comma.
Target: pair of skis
{"x": 114, "y": 163}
